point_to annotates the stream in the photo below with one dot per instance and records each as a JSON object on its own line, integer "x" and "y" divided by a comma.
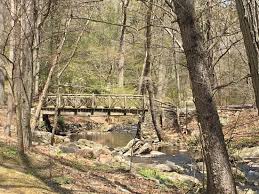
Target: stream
{"x": 164, "y": 154}
{"x": 167, "y": 154}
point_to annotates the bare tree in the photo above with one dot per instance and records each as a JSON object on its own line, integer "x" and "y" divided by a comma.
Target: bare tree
{"x": 145, "y": 80}
{"x": 248, "y": 17}
{"x": 219, "y": 175}
{"x": 54, "y": 64}
{"x": 2, "y": 76}
{"x": 209, "y": 42}
{"x": 121, "y": 63}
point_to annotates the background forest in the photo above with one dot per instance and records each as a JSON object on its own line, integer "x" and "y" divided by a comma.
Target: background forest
{"x": 94, "y": 65}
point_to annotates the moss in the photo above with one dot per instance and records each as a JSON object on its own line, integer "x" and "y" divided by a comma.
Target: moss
{"x": 63, "y": 180}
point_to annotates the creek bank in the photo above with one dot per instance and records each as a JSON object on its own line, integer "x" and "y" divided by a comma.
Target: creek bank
{"x": 247, "y": 161}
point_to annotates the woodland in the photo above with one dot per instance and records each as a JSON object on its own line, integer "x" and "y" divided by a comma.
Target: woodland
{"x": 191, "y": 64}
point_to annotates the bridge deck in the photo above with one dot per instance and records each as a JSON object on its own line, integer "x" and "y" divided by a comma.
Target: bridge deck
{"x": 89, "y": 104}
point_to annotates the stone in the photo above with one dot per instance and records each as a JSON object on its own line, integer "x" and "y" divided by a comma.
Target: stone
{"x": 129, "y": 145}
{"x": 101, "y": 151}
{"x": 174, "y": 167}
{"x": 253, "y": 173}
{"x": 252, "y": 152}
{"x": 66, "y": 140}
{"x": 70, "y": 148}
{"x": 128, "y": 153}
{"x": 174, "y": 176}
{"x": 87, "y": 143}
{"x": 41, "y": 137}
{"x": 156, "y": 153}
{"x": 237, "y": 172}
{"x": 104, "y": 158}
{"x": 145, "y": 149}
{"x": 86, "y": 153}
{"x": 249, "y": 191}
{"x": 163, "y": 168}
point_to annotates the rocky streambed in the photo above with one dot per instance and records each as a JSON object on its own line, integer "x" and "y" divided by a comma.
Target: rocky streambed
{"x": 118, "y": 145}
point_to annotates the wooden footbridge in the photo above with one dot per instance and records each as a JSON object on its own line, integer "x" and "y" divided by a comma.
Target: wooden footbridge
{"x": 96, "y": 104}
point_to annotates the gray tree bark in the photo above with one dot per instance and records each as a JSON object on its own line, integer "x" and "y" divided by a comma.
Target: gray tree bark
{"x": 2, "y": 76}
{"x": 145, "y": 80}
{"x": 248, "y": 18}
{"x": 15, "y": 55}
{"x": 147, "y": 64}
{"x": 219, "y": 175}
{"x": 209, "y": 43}
{"x": 26, "y": 67}
{"x": 121, "y": 63}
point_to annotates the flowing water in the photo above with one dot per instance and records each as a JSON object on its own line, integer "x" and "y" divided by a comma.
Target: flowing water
{"x": 110, "y": 139}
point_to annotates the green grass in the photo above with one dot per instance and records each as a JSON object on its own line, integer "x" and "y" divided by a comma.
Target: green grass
{"x": 9, "y": 154}
{"x": 167, "y": 179}
{"x": 155, "y": 174}
{"x": 63, "y": 180}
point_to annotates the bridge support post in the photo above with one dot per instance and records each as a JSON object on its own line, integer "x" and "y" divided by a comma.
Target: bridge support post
{"x": 93, "y": 104}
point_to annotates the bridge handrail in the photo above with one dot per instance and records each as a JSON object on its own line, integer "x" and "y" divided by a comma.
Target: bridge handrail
{"x": 123, "y": 101}
{"x": 93, "y": 101}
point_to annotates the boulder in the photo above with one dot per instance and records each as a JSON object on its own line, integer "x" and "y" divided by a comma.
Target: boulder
{"x": 174, "y": 167}
{"x": 41, "y": 137}
{"x": 156, "y": 153}
{"x": 129, "y": 145}
{"x": 128, "y": 153}
{"x": 252, "y": 152}
{"x": 86, "y": 153}
{"x": 238, "y": 173}
{"x": 101, "y": 151}
{"x": 104, "y": 158}
{"x": 145, "y": 149}
{"x": 163, "y": 168}
{"x": 87, "y": 143}
{"x": 70, "y": 148}
{"x": 176, "y": 177}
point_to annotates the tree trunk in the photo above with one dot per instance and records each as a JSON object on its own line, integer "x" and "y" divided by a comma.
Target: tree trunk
{"x": 152, "y": 109}
{"x": 47, "y": 83}
{"x": 2, "y": 76}
{"x": 145, "y": 81}
{"x": 15, "y": 54}
{"x": 219, "y": 175}
{"x": 26, "y": 68}
{"x": 178, "y": 104}
{"x": 36, "y": 47}
{"x": 121, "y": 63}
{"x": 147, "y": 64}
{"x": 9, "y": 67}
{"x": 209, "y": 43}
{"x": 2, "y": 81}
{"x": 248, "y": 18}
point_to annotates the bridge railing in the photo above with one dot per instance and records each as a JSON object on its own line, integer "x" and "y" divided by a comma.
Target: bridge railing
{"x": 93, "y": 101}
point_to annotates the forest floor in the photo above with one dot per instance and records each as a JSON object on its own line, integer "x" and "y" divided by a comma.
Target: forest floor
{"x": 43, "y": 169}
